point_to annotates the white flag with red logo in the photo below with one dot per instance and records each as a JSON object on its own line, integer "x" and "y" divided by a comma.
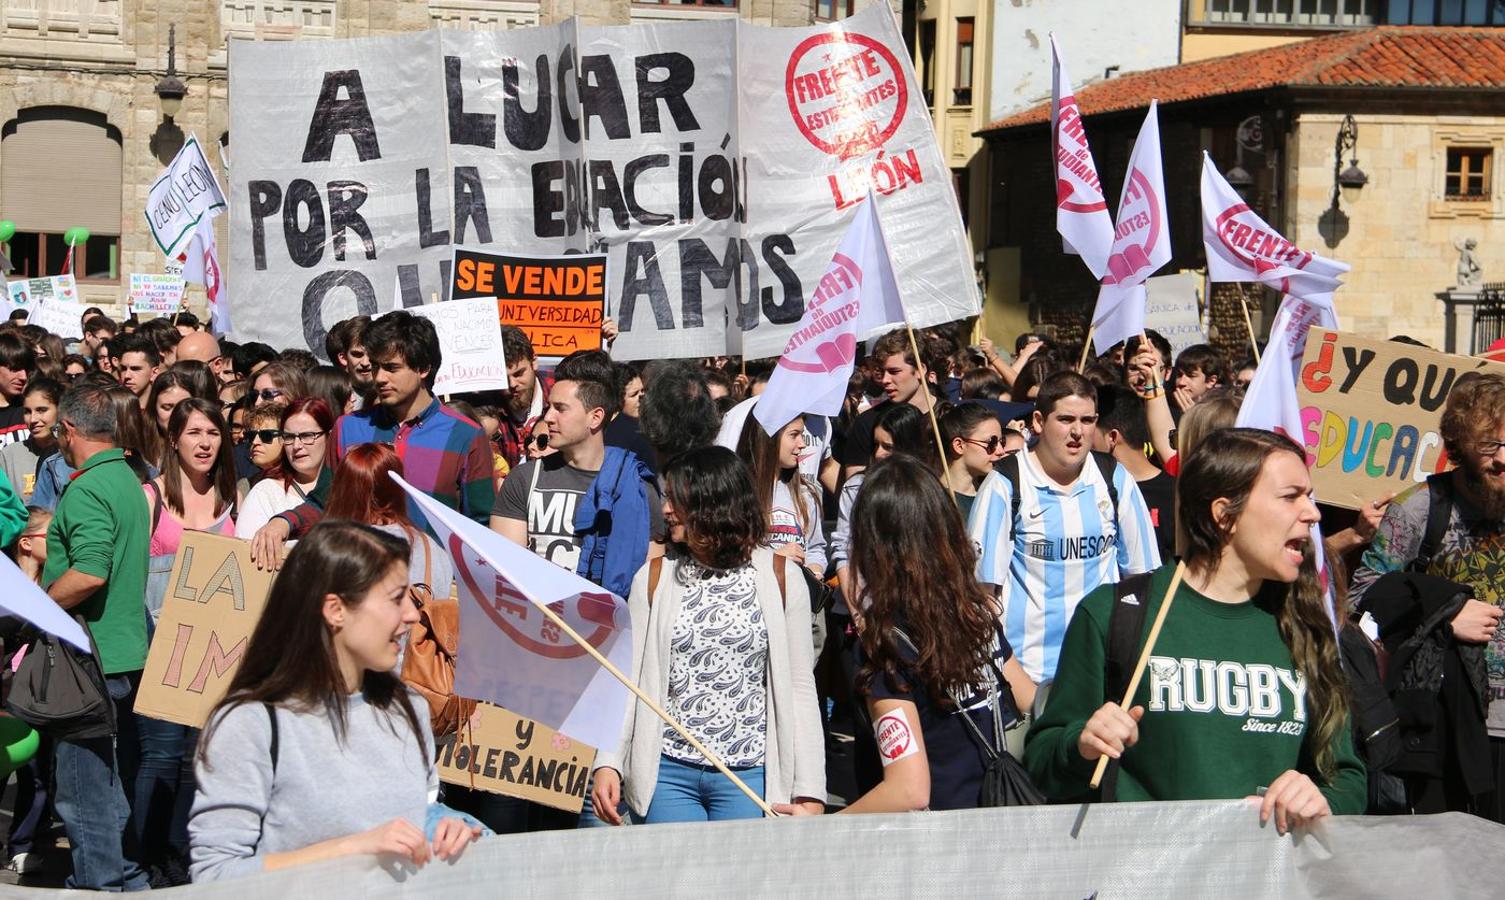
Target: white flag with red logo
{"x": 1242, "y": 247}
{"x": 1271, "y": 403}
{"x": 511, "y": 654}
{"x": 1141, "y": 242}
{"x": 1082, "y": 217}
{"x": 200, "y": 263}
{"x": 857, "y": 296}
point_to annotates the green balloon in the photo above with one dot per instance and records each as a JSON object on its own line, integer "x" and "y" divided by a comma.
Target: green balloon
{"x": 7, "y": 230}
{"x": 18, "y": 744}
{"x": 75, "y": 235}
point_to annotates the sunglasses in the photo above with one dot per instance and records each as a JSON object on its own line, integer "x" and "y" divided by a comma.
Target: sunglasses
{"x": 540, "y": 441}
{"x": 990, "y": 445}
{"x": 265, "y": 435}
{"x": 268, "y": 394}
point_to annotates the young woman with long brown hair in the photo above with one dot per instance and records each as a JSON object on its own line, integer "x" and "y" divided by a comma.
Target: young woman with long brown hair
{"x": 364, "y": 492}
{"x": 722, "y": 641}
{"x": 931, "y": 650}
{"x": 1244, "y": 691}
{"x": 790, "y": 502}
{"x": 318, "y": 751}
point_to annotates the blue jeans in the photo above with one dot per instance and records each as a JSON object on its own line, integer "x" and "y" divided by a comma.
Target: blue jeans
{"x": 90, "y": 799}
{"x": 691, "y": 793}
{"x": 162, "y": 794}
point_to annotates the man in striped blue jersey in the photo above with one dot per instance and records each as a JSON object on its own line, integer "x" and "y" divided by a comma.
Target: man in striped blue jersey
{"x": 1077, "y": 521}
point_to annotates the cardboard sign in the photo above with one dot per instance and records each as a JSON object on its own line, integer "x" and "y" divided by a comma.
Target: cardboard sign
{"x": 1173, "y": 309}
{"x": 559, "y": 301}
{"x": 507, "y": 754}
{"x": 1370, "y": 411}
{"x": 28, "y": 293}
{"x": 215, "y": 596}
{"x": 63, "y": 318}
{"x": 159, "y": 295}
{"x": 470, "y": 338}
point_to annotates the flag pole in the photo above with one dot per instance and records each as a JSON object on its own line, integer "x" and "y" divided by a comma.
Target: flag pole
{"x": 616, "y": 673}
{"x": 914, "y": 347}
{"x": 1081, "y": 366}
{"x": 1144, "y": 660}
{"x": 1243, "y": 302}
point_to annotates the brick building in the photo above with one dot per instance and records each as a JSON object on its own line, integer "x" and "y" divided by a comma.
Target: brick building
{"x": 1430, "y": 124}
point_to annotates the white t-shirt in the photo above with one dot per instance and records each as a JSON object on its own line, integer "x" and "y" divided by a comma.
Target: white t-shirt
{"x": 266, "y": 499}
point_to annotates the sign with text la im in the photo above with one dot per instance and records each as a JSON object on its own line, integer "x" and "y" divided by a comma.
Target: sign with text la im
{"x": 1370, "y": 411}
{"x": 716, "y": 164}
{"x": 215, "y": 596}
{"x": 558, "y": 301}
{"x": 506, "y": 754}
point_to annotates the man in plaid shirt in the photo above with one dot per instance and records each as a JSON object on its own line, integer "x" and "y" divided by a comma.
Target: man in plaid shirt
{"x": 444, "y": 454}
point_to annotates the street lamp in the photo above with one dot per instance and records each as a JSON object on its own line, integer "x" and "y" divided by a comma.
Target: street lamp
{"x": 1348, "y": 182}
{"x": 170, "y": 89}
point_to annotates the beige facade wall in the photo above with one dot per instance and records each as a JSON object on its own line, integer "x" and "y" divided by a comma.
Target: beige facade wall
{"x": 106, "y": 56}
{"x": 1199, "y": 45}
{"x": 1401, "y": 232}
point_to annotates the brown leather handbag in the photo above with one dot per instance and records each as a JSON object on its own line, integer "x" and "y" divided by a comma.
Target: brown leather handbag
{"x": 428, "y": 666}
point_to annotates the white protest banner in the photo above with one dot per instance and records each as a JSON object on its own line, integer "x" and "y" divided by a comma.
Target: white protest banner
{"x": 514, "y": 656}
{"x": 706, "y": 223}
{"x": 60, "y": 316}
{"x": 159, "y": 295}
{"x": 470, "y": 341}
{"x": 1141, "y": 244}
{"x": 1082, "y": 217}
{"x": 1174, "y": 309}
{"x": 1242, "y": 247}
{"x": 182, "y": 195}
{"x": 22, "y": 598}
{"x": 29, "y": 293}
{"x": 856, "y": 297}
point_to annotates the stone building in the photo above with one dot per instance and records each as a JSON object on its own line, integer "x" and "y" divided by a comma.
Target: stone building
{"x": 84, "y": 132}
{"x": 1428, "y": 114}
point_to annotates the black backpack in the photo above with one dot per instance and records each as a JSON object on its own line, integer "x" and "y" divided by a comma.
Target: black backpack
{"x": 60, "y": 690}
{"x": 1131, "y": 600}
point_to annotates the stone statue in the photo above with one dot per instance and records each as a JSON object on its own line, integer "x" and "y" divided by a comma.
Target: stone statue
{"x": 1470, "y": 275}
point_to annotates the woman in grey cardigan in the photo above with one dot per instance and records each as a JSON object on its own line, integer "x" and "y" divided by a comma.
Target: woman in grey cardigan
{"x": 723, "y": 643}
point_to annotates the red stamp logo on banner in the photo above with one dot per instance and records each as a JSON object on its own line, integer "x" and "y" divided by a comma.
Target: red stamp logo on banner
{"x": 509, "y": 610}
{"x": 1073, "y": 159}
{"x": 1253, "y": 245}
{"x": 1138, "y": 229}
{"x": 835, "y": 302}
{"x": 847, "y": 92}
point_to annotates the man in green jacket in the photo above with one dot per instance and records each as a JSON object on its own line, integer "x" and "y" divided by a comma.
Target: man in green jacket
{"x": 96, "y": 568}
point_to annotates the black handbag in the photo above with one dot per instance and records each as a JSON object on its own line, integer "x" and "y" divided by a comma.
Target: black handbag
{"x": 1005, "y": 782}
{"x": 61, "y": 691}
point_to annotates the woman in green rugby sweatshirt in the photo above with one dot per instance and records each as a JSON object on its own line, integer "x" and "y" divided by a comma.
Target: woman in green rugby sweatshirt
{"x": 1244, "y": 689}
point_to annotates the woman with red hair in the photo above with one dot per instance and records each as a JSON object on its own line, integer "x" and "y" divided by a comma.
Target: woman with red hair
{"x": 304, "y": 468}
{"x": 365, "y": 492}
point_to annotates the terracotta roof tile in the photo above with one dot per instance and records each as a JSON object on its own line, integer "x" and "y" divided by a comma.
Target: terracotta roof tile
{"x": 1388, "y": 56}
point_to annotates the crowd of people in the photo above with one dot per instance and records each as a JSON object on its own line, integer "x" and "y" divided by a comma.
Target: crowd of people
{"x": 933, "y": 600}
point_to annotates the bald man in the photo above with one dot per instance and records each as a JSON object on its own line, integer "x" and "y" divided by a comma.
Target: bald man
{"x": 202, "y": 346}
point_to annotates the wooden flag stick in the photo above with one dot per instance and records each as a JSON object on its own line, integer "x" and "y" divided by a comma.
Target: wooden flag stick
{"x": 1243, "y": 302}
{"x": 935, "y": 425}
{"x": 1081, "y": 365}
{"x": 1144, "y": 660}
{"x": 606, "y": 664}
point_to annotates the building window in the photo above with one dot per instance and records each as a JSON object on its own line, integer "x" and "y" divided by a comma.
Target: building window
{"x": 60, "y": 168}
{"x": 1445, "y": 12}
{"x": 708, "y": 4}
{"x": 1468, "y": 173}
{"x": 831, "y": 10}
{"x": 963, "y": 90}
{"x": 1287, "y": 13}
{"x": 40, "y": 254}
